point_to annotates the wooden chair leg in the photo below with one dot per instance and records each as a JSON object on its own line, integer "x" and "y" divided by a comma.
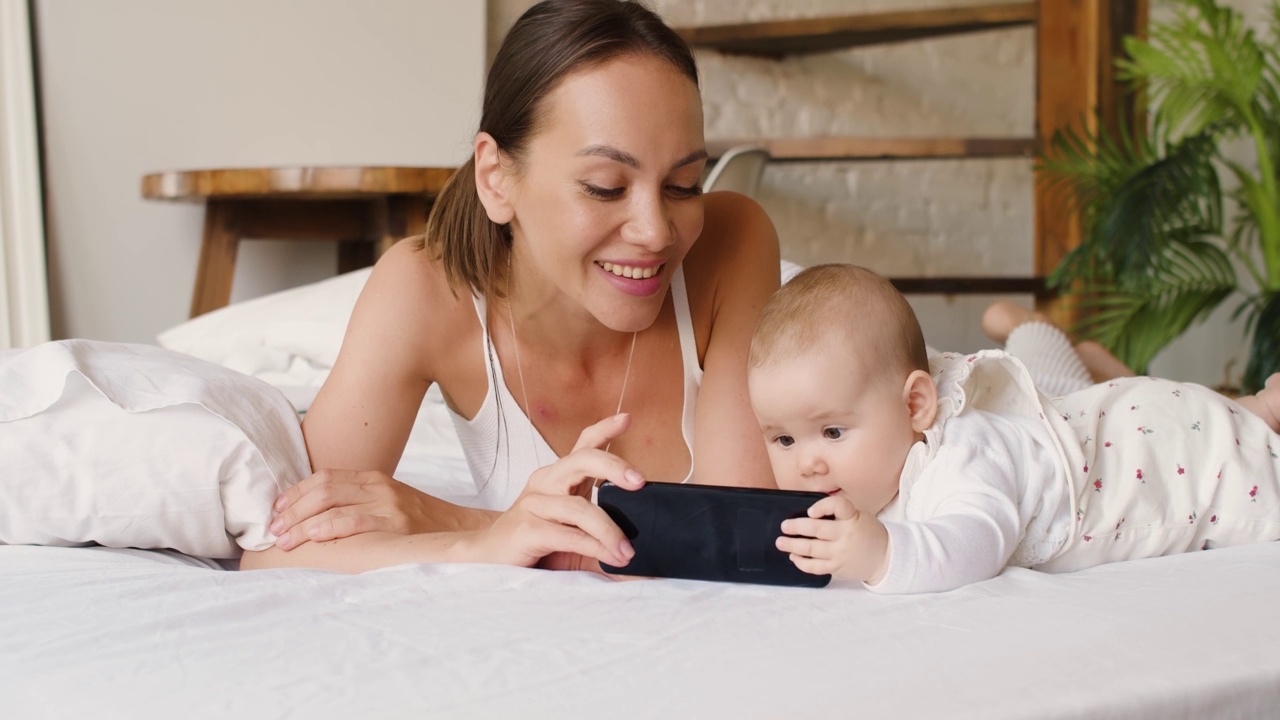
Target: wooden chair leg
{"x": 353, "y": 255}
{"x": 217, "y": 258}
{"x": 406, "y": 216}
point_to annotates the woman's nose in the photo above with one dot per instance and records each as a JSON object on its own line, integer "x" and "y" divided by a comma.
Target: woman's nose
{"x": 650, "y": 224}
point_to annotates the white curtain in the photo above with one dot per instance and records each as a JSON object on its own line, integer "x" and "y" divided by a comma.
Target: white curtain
{"x": 24, "y": 296}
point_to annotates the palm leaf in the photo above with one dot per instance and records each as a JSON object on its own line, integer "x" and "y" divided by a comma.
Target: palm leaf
{"x": 1264, "y": 351}
{"x": 1139, "y": 317}
{"x": 1199, "y": 70}
{"x": 1135, "y": 197}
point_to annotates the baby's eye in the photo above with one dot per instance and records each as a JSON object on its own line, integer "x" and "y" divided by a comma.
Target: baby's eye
{"x": 785, "y": 440}
{"x": 833, "y": 433}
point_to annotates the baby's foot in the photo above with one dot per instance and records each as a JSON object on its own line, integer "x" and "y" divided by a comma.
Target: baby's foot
{"x": 1000, "y": 318}
{"x": 1100, "y": 363}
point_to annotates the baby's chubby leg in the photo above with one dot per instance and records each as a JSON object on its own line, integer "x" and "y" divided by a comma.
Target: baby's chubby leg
{"x": 1266, "y": 404}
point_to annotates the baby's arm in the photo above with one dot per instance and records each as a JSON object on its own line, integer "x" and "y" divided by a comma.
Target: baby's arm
{"x": 963, "y": 525}
{"x": 839, "y": 540}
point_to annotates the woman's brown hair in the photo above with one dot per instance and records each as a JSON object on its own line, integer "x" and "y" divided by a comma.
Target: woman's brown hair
{"x": 550, "y": 40}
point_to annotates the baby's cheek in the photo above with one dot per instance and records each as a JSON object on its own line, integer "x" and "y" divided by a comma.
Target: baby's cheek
{"x": 783, "y": 474}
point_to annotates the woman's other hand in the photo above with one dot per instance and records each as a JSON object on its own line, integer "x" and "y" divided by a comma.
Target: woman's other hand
{"x": 554, "y": 514}
{"x": 334, "y": 504}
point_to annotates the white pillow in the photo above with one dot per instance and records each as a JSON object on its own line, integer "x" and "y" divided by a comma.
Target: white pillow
{"x": 290, "y": 338}
{"x": 136, "y": 446}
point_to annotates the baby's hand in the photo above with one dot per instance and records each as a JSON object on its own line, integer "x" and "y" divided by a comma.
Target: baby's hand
{"x": 839, "y": 540}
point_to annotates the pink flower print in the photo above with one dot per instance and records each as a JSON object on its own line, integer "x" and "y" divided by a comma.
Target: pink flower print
{"x": 1087, "y": 538}
{"x": 1213, "y": 520}
{"x": 1145, "y": 430}
{"x": 1205, "y": 546}
{"x": 972, "y": 358}
{"x": 1253, "y": 494}
{"x": 1066, "y": 417}
{"x": 1097, "y": 485}
{"x": 1181, "y": 470}
{"x": 1139, "y": 475}
{"x": 1177, "y": 393}
{"x": 1191, "y": 519}
{"x": 1106, "y": 444}
{"x": 1086, "y": 469}
{"x": 1237, "y": 441}
{"x": 1102, "y": 413}
{"x": 1232, "y": 410}
{"x": 1079, "y": 515}
{"x": 1133, "y": 407}
{"x": 1111, "y": 384}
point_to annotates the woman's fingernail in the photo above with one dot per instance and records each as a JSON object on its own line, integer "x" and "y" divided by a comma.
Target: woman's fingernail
{"x": 633, "y": 476}
{"x": 621, "y": 416}
{"x": 280, "y": 503}
{"x": 625, "y": 551}
{"x": 277, "y": 526}
{"x": 283, "y": 541}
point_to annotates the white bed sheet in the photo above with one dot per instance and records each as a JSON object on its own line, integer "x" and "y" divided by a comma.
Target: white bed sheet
{"x": 99, "y": 633}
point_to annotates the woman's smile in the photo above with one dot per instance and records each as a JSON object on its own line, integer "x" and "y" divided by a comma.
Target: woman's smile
{"x": 641, "y": 279}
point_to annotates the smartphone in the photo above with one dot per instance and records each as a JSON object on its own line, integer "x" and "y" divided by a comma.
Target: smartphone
{"x": 708, "y": 532}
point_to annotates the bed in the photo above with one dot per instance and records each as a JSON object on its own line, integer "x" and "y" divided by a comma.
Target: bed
{"x": 103, "y": 632}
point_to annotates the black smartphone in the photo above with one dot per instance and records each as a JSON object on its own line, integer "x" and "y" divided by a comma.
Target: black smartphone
{"x": 708, "y": 532}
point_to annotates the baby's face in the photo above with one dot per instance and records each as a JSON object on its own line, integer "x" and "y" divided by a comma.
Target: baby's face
{"x": 833, "y": 427}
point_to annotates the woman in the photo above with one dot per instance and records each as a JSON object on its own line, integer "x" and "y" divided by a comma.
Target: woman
{"x": 571, "y": 271}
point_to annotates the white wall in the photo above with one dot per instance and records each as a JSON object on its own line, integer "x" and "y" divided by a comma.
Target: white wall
{"x": 137, "y": 86}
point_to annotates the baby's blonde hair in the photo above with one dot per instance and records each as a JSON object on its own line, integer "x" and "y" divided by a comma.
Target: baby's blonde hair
{"x": 826, "y": 304}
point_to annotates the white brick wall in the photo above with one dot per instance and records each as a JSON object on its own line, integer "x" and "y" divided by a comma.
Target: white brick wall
{"x": 951, "y": 217}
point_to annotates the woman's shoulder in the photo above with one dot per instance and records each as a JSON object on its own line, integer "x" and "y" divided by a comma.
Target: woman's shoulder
{"x": 409, "y": 295}
{"x": 736, "y": 228}
{"x": 736, "y": 255}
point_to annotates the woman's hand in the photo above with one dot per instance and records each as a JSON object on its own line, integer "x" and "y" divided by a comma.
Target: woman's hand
{"x": 553, "y": 516}
{"x": 333, "y": 504}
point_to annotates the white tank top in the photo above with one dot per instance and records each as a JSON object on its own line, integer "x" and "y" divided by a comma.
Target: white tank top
{"x": 502, "y": 446}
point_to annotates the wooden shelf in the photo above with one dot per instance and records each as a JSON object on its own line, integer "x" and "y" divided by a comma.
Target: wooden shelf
{"x": 855, "y": 148}
{"x": 778, "y": 38}
{"x": 971, "y": 286}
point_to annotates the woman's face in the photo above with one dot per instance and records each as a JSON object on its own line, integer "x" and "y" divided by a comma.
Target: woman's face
{"x": 607, "y": 199}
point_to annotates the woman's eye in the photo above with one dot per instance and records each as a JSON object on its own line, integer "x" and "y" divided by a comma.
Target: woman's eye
{"x": 785, "y": 440}
{"x": 833, "y": 433}
{"x": 683, "y": 191}
{"x": 602, "y": 193}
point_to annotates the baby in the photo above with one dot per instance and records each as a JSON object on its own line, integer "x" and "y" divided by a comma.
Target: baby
{"x": 942, "y": 476}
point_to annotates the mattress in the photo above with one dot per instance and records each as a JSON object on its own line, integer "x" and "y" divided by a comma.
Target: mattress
{"x": 103, "y": 633}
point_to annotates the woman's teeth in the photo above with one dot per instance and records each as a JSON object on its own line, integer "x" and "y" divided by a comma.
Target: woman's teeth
{"x": 627, "y": 271}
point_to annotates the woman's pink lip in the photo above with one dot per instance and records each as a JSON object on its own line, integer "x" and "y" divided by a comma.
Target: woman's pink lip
{"x": 639, "y": 287}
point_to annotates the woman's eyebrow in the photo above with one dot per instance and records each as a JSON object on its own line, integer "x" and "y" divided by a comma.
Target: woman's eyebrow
{"x": 630, "y": 160}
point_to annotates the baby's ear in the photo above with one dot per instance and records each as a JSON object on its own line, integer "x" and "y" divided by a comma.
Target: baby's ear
{"x": 921, "y": 397}
{"x": 492, "y": 181}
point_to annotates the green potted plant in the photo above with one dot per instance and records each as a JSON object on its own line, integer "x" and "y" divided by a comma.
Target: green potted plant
{"x": 1156, "y": 254}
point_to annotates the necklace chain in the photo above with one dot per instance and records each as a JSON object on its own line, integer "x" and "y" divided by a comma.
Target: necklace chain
{"x": 524, "y": 389}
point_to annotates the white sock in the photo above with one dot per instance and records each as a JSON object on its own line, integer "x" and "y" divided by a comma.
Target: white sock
{"x": 1050, "y": 358}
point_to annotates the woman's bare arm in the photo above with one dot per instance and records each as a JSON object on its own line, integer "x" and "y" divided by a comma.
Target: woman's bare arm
{"x": 357, "y": 427}
{"x": 732, "y": 271}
